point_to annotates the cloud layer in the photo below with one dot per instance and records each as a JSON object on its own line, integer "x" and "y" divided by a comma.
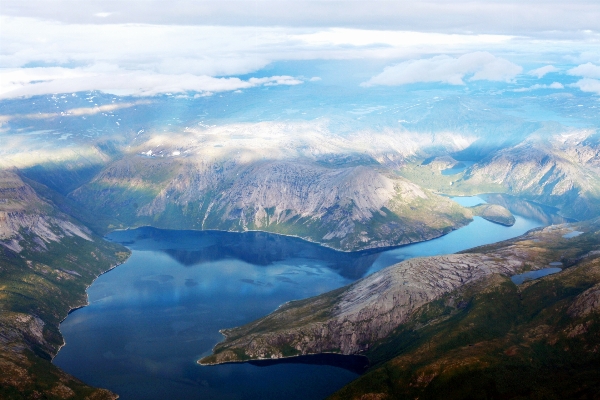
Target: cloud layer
{"x": 476, "y": 66}
{"x": 457, "y": 16}
{"x": 590, "y": 74}
{"x": 540, "y": 72}
{"x": 553, "y": 85}
{"x": 150, "y": 47}
{"x": 37, "y": 81}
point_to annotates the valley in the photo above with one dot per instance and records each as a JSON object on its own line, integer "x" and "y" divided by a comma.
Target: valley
{"x": 356, "y": 183}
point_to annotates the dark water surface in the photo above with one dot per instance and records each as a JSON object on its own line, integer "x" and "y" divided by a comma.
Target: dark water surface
{"x": 151, "y": 318}
{"x": 533, "y": 275}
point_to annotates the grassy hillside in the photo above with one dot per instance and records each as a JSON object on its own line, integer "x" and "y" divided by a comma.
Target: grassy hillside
{"x": 45, "y": 267}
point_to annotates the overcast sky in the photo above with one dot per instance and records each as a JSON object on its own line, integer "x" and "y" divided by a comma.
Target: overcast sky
{"x": 146, "y": 47}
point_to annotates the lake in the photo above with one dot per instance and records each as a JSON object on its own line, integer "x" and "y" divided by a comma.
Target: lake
{"x": 150, "y": 319}
{"x": 533, "y": 275}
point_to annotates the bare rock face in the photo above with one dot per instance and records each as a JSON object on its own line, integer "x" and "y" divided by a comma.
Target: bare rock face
{"x": 22, "y": 212}
{"x": 364, "y": 312}
{"x": 562, "y": 170}
{"x": 586, "y": 303}
{"x": 352, "y": 319}
{"x": 347, "y": 208}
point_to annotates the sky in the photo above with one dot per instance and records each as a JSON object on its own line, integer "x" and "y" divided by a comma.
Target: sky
{"x": 146, "y": 47}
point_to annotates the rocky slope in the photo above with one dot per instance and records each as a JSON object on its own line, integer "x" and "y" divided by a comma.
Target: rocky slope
{"x": 24, "y": 213}
{"x": 353, "y": 319}
{"x": 47, "y": 260}
{"x": 347, "y": 208}
{"x": 494, "y": 213}
{"x": 537, "y": 340}
{"x": 560, "y": 169}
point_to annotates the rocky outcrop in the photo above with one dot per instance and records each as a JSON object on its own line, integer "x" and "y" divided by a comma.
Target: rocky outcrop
{"x": 365, "y": 312}
{"x": 24, "y": 213}
{"x": 494, "y": 213}
{"x": 586, "y": 303}
{"x": 441, "y": 163}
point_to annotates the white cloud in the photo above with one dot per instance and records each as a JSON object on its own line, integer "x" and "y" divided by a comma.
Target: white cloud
{"x": 553, "y": 85}
{"x": 362, "y": 37}
{"x": 315, "y": 79}
{"x": 215, "y": 50}
{"x": 446, "y": 69}
{"x": 588, "y": 85}
{"x": 540, "y": 72}
{"x": 531, "y": 17}
{"x": 38, "y": 81}
{"x": 587, "y": 70}
{"x": 149, "y": 49}
{"x": 590, "y": 74}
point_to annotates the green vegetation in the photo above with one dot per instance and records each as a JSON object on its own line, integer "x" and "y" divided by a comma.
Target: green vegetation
{"x": 39, "y": 285}
{"x": 496, "y": 340}
{"x": 454, "y": 185}
{"x": 37, "y": 290}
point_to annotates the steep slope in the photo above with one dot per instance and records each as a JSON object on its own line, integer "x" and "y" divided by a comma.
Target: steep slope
{"x": 562, "y": 170}
{"x": 348, "y": 208}
{"x": 429, "y": 312}
{"x": 497, "y": 340}
{"x": 47, "y": 260}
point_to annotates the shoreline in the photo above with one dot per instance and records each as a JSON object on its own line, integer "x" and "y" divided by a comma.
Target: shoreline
{"x": 87, "y": 303}
{"x": 280, "y": 358}
{"x": 366, "y": 250}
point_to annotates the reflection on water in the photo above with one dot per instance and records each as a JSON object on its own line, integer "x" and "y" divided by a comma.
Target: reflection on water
{"x": 191, "y": 248}
{"x": 151, "y": 318}
{"x": 356, "y": 364}
{"x": 544, "y": 214}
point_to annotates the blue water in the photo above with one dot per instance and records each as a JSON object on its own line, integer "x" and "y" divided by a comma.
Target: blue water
{"x": 151, "y": 318}
{"x": 531, "y": 275}
{"x": 469, "y": 201}
{"x": 463, "y": 165}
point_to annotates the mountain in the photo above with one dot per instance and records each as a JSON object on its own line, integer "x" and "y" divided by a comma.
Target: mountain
{"x": 285, "y": 178}
{"x": 454, "y": 324}
{"x": 350, "y": 172}
{"x": 561, "y": 169}
{"x": 232, "y": 163}
{"x": 47, "y": 260}
{"x": 555, "y": 166}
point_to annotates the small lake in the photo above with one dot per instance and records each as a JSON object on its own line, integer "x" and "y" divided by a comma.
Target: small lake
{"x": 150, "y": 319}
{"x": 532, "y": 275}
